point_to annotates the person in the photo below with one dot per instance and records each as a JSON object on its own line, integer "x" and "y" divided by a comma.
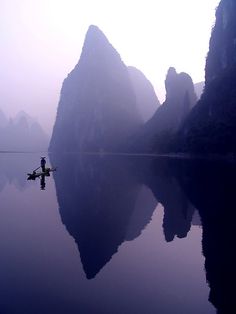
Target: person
{"x": 43, "y": 163}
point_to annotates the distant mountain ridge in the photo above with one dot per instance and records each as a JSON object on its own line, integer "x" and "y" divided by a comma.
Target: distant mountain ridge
{"x": 21, "y": 133}
{"x": 146, "y": 98}
{"x": 199, "y": 88}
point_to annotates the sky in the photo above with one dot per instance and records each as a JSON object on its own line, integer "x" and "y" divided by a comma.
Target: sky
{"x": 41, "y": 42}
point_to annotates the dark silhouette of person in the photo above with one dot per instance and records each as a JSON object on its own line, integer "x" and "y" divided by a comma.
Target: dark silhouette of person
{"x": 43, "y": 163}
{"x": 42, "y": 182}
{"x": 41, "y": 175}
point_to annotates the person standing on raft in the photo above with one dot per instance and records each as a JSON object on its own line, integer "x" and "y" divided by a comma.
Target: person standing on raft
{"x": 43, "y": 164}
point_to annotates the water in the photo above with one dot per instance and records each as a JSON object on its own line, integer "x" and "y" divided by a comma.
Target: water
{"x": 116, "y": 234}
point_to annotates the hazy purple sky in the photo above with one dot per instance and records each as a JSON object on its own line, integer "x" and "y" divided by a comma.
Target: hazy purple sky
{"x": 41, "y": 42}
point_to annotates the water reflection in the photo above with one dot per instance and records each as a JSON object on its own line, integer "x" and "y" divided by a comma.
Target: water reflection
{"x": 102, "y": 204}
{"x": 211, "y": 188}
{"x": 14, "y": 168}
{"x": 106, "y": 200}
{"x": 178, "y": 210}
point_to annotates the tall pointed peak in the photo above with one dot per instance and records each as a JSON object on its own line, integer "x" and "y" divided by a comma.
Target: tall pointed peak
{"x": 94, "y": 32}
{"x": 97, "y": 47}
{"x": 97, "y": 95}
{"x": 95, "y": 38}
{"x": 93, "y": 29}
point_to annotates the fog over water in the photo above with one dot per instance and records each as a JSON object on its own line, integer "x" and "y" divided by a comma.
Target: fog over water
{"x": 41, "y": 42}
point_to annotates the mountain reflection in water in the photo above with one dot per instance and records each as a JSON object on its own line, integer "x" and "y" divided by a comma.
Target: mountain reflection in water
{"x": 105, "y": 202}
{"x": 210, "y": 186}
{"x": 100, "y": 196}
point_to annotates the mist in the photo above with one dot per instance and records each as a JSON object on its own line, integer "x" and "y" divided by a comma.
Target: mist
{"x": 41, "y": 42}
{"x": 117, "y": 156}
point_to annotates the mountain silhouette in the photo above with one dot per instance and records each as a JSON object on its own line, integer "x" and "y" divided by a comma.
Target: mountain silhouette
{"x": 158, "y": 132}
{"x": 97, "y": 109}
{"x": 146, "y": 99}
{"x": 211, "y": 125}
{"x": 22, "y": 133}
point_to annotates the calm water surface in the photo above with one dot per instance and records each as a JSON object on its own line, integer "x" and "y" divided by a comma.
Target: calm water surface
{"x": 116, "y": 234}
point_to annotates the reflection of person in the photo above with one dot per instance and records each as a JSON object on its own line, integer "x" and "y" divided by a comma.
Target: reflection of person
{"x": 43, "y": 163}
{"x": 42, "y": 182}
